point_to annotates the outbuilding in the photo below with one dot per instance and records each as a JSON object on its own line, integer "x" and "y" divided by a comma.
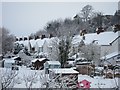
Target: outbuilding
{"x": 8, "y": 63}
{"x": 39, "y": 63}
{"x": 51, "y": 65}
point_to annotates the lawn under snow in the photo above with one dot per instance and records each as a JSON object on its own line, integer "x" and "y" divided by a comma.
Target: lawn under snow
{"x": 27, "y": 78}
{"x": 99, "y": 82}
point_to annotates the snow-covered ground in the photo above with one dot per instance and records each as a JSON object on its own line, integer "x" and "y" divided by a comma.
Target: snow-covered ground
{"x": 99, "y": 82}
{"x": 27, "y": 78}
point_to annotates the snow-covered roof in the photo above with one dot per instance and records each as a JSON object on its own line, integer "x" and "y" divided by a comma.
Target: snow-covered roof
{"x": 64, "y": 71}
{"x": 79, "y": 54}
{"x": 40, "y": 59}
{"x": 15, "y": 57}
{"x": 104, "y": 38}
{"x": 99, "y": 82}
{"x": 39, "y": 42}
{"x": 25, "y": 43}
{"x": 80, "y": 58}
{"x": 32, "y": 42}
{"x": 111, "y": 55}
{"x": 9, "y": 60}
{"x": 53, "y": 62}
{"x": 99, "y": 68}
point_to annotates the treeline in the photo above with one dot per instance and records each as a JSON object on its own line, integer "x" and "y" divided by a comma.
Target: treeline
{"x": 87, "y": 19}
{"x": 6, "y": 41}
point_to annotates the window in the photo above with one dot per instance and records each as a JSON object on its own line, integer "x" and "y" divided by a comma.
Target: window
{"x": 40, "y": 49}
{"x": 118, "y": 57}
{"x": 50, "y": 48}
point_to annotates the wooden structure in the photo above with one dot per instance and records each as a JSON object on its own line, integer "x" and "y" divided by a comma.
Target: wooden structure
{"x": 39, "y": 63}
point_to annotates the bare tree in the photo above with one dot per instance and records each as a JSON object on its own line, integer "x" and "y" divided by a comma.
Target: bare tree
{"x": 63, "y": 81}
{"x": 43, "y": 78}
{"x": 86, "y": 12}
{"x": 54, "y": 52}
{"x": 7, "y": 77}
{"x": 52, "y": 27}
{"x": 25, "y": 58}
{"x": 30, "y": 79}
{"x": 7, "y": 41}
{"x": 91, "y": 52}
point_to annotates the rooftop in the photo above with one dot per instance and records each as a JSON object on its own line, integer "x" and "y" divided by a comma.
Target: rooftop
{"x": 104, "y": 38}
{"x": 40, "y": 59}
{"x": 111, "y": 55}
{"x": 9, "y": 60}
{"x": 64, "y": 71}
{"x": 54, "y": 62}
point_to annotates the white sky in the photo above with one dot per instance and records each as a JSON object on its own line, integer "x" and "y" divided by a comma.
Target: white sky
{"x": 24, "y": 18}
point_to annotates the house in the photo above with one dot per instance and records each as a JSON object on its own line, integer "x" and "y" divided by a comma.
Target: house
{"x": 107, "y": 42}
{"x": 41, "y": 47}
{"x": 51, "y": 65}
{"x": 62, "y": 71}
{"x": 112, "y": 58}
{"x": 18, "y": 60}
{"x": 112, "y": 64}
{"x": 70, "y": 63}
{"x": 98, "y": 71}
{"x": 39, "y": 63}
{"x": 84, "y": 66}
{"x": 8, "y": 63}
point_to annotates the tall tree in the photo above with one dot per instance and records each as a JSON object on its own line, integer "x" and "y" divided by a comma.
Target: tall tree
{"x": 64, "y": 46}
{"x": 86, "y": 12}
{"x": 7, "y": 41}
{"x": 91, "y": 52}
{"x": 52, "y": 27}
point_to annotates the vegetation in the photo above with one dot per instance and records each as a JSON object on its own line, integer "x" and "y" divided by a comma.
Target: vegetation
{"x": 7, "y": 41}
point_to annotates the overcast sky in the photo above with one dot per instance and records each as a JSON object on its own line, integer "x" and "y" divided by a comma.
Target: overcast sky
{"x": 24, "y": 18}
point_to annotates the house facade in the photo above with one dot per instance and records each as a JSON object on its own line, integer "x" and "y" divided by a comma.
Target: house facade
{"x": 46, "y": 47}
{"x": 112, "y": 58}
{"x": 8, "y": 63}
{"x": 107, "y": 42}
{"x": 51, "y": 65}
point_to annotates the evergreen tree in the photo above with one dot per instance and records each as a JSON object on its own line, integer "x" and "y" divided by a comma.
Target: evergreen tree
{"x": 64, "y": 46}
